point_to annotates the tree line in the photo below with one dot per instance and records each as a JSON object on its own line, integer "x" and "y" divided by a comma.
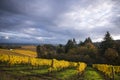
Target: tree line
{"x": 107, "y": 51}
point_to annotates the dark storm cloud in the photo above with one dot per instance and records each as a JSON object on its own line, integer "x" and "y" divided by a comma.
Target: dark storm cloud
{"x": 56, "y": 21}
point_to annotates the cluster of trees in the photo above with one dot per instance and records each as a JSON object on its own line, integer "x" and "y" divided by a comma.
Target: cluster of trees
{"x": 110, "y": 49}
{"x": 107, "y": 51}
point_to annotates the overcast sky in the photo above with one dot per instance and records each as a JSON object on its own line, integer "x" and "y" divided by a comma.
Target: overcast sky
{"x": 56, "y": 21}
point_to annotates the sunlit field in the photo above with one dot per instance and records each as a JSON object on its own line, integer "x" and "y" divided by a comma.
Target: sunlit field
{"x": 25, "y": 52}
{"x": 18, "y": 65}
{"x": 22, "y": 67}
{"x": 20, "y": 52}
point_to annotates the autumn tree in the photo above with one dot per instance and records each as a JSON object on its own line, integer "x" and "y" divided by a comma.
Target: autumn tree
{"x": 46, "y": 50}
{"x": 40, "y": 51}
{"x": 111, "y": 55}
{"x": 118, "y": 46}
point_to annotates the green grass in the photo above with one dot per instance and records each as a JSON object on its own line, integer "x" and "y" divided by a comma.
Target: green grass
{"x": 66, "y": 74}
{"x": 41, "y": 71}
{"x": 28, "y": 72}
{"x": 91, "y": 74}
{"x": 117, "y": 76}
{"x": 24, "y": 72}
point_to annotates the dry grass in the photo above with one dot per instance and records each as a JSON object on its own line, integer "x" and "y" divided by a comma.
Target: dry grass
{"x": 18, "y": 52}
{"x": 25, "y": 52}
{"x": 29, "y": 47}
{"x": 8, "y": 52}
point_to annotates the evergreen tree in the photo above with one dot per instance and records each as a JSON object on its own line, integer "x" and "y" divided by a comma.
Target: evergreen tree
{"x": 60, "y": 48}
{"x": 108, "y": 42}
{"x": 74, "y": 42}
{"x": 81, "y": 43}
{"x": 88, "y": 40}
{"x": 38, "y": 51}
{"x": 69, "y": 45}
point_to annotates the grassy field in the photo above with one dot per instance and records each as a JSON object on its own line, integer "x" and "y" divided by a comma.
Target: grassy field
{"x": 22, "y": 72}
{"x": 92, "y": 74}
{"x": 66, "y": 74}
{"x": 25, "y": 52}
{"x": 8, "y": 52}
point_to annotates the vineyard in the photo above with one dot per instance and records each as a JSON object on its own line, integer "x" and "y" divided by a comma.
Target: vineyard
{"x": 30, "y": 68}
{"x": 54, "y": 64}
{"x": 108, "y": 70}
{"x": 49, "y": 65}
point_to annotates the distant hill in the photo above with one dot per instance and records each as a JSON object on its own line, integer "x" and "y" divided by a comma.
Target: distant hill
{"x": 19, "y": 44}
{"x": 35, "y": 44}
{"x": 118, "y": 41}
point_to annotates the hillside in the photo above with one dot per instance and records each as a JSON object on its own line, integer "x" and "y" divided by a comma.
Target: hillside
{"x": 18, "y": 52}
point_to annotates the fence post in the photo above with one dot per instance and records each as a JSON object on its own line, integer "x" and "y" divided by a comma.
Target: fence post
{"x": 113, "y": 73}
{"x": 9, "y": 62}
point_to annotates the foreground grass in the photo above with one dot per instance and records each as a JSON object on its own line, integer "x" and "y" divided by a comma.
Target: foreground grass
{"x": 66, "y": 74}
{"x": 21, "y": 72}
{"x": 92, "y": 74}
{"x": 117, "y": 76}
{"x": 26, "y": 72}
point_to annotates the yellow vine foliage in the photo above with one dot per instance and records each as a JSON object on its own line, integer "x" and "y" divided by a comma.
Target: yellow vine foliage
{"x": 57, "y": 65}
{"x": 12, "y": 60}
{"x": 81, "y": 67}
{"x": 108, "y": 70}
{"x": 53, "y": 64}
